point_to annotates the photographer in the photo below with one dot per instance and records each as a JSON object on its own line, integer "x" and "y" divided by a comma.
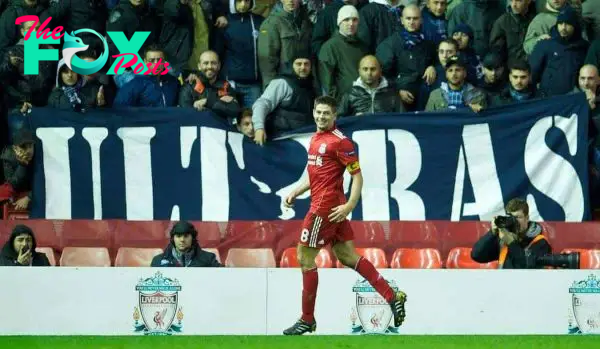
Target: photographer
{"x": 514, "y": 241}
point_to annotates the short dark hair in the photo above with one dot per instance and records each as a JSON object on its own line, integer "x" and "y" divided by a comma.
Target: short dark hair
{"x": 244, "y": 113}
{"x": 517, "y": 204}
{"x": 327, "y": 100}
{"x": 154, "y": 48}
{"x": 520, "y": 65}
{"x": 449, "y": 41}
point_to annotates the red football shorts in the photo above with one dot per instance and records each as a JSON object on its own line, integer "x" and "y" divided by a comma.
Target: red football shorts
{"x": 318, "y": 231}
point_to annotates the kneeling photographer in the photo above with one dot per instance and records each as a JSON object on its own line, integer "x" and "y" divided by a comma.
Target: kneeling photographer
{"x": 517, "y": 243}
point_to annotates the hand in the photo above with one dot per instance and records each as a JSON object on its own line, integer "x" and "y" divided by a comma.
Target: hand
{"x": 221, "y": 22}
{"x": 494, "y": 229}
{"x": 22, "y": 203}
{"x": 22, "y": 156}
{"x": 227, "y": 99}
{"x": 24, "y": 258}
{"x": 339, "y": 213}
{"x": 260, "y": 137}
{"x": 429, "y": 75}
{"x": 591, "y": 98}
{"x": 407, "y": 97}
{"x": 15, "y": 60}
{"x": 192, "y": 79}
{"x": 100, "y": 101}
{"x": 507, "y": 237}
{"x": 26, "y": 108}
{"x": 289, "y": 200}
{"x": 545, "y": 37}
{"x": 200, "y": 104}
{"x": 476, "y": 107}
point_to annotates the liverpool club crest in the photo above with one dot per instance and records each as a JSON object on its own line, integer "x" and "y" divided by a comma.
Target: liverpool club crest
{"x": 372, "y": 314}
{"x": 584, "y": 317}
{"x": 158, "y": 306}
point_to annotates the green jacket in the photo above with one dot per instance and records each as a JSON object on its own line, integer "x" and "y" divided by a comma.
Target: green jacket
{"x": 540, "y": 25}
{"x": 338, "y": 64}
{"x": 437, "y": 101}
{"x": 282, "y": 36}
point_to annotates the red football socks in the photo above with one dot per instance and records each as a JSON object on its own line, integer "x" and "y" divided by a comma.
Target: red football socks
{"x": 368, "y": 271}
{"x": 310, "y": 281}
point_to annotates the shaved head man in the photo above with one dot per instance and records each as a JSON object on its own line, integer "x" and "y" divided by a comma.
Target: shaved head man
{"x": 588, "y": 83}
{"x": 411, "y": 18}
{"x": 369, "y": 71}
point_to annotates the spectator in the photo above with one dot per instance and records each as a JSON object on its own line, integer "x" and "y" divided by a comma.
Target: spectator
{"x": 588, "y": 84}
{"x": 208, "y": 14}
{"x": 435, "y": 25}
{"x": 108, "y": 84}
{"x": 184, "y": 250}
{"x": 463, "y": 35}
{"x": 207, "y": 92}
{"x": 286, "y": 103}
{"x": 244, "y": 123}
{"x": 379, "y": 20}
{"x": 555, "y": 62}
{"x": 341, "y": 54}
{"x": 73, "y": 92}
{"x": 371, "y": 92}
{"x": 9, "y": 31}
{"x": 19, "y": 250}
{"x": 591, "y": 17}
{"x": 480, "y": 15}
{"x": 494, "y": 77}
{"x": 177, "y": 34}
{"x": 512, "y": 248}
{"x": 149, "y": 90}
{"x": 539, "y": 28}
{"x": 408, "y": 58}
{"x": 457, "y": 92}
{"x": 239, "y": 51}
{"x": 446, "y": 49}
{"x": 18, "y": 169}
{"x": 284, "y": 34}
{"x": 508, "y": 33}
{"x": 520, "y": 88}
{"x": 326, "y": 24}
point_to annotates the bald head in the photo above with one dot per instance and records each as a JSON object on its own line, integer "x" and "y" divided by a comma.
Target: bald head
{"x": 369, "y": 71}
{"x": 588, "y": 78}
{"x": 411, "y": 18}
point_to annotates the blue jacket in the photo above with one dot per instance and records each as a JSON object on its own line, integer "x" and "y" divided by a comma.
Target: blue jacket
{"x": 148, "y": 91}
{"x": 431, "y": 30}
{"x": 239, "y": 50}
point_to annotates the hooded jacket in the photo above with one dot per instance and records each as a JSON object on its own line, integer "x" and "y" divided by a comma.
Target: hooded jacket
{"x": 487, "y": 248}
{"x": 8, "y": 256}
{"x": 87, "y": 92}
{"x": 541, "y": 24}
{"x": 481, "y": 15}
{"x": 195, "y": 257}
{"x": 239, "y": 41}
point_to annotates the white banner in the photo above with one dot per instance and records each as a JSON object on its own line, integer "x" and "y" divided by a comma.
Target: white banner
{"x": 160, "y": 301}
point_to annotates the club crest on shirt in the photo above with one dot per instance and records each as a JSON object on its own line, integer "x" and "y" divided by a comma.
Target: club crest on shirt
{"x": 322, "y": 148}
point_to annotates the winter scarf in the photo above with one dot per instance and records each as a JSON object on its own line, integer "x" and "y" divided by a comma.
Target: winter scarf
{"x": 411, "y": 39}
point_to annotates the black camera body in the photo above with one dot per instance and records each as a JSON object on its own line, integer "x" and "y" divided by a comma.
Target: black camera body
{"x": 508, "y": 222}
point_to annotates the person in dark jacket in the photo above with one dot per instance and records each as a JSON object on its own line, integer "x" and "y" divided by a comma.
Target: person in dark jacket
{"x": 379, "y": 20}
{"x": 326, "y": 24}
{"x": 150, "y": 90}
{"x": 73, "y": 92}
{"x": 371, "y": 92}
{"x": 19, "y": 250}
{"x": 9, "y": 31}
{"x": 435, "y": 25}
{"x": 555, "y": 62}
{"x": 407, "y": 58}
{"x": 239, "y": 51}
{"x": 481, "y": 16}
{"x": 519, "y": 89}
{"x": 177, "y": 33}
{"x": 18, "y": 169}
{"x": 184, "y": 250}
{"x": 463, "y": 34}
{"x": 447, "y": 48}
{"x": 207, "y": 92}
{"x": 286, "y": 103}
{"x": 513, "y": 250}
{"x": 494, "y": 74}
{"x": 508, "y": 32}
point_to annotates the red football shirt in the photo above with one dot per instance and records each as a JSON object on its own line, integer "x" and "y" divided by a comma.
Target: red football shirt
{"x": 329, "y": 154}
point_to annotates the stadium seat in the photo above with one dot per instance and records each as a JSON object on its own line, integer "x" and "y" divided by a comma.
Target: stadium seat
{"x": 250, "y": 258}
{"x": 9, "y": 212}
{"x": 251, "y": 234}
{"x": 589, "y": 259}
{"x": 86, "y": 233}
{"x": 215, "y": 251}
{"x": 85, "y": 257}
{"x": 420, "y": 234}
{"x": 290, "y": 260}
{"x": 414, "y": 258}
{"x": 136, "y": 257}
{"x": 148, "y": 234}
{"x": 460, "y": 258}
{"x": 368, "y": 233}
{"x": 209, "y": 234}
{"x": 49, "y": 252}
{"x": 373, "y": 255}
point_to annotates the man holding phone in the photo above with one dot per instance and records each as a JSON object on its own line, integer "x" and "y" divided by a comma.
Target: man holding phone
{"x": 19, "y": 250}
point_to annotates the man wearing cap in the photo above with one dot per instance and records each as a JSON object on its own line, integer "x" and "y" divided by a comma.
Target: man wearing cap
{"x": 494, "y": 78}
{"x": 463, "y": 34}
{"x": 340, "y": 55}
{"x": 19, "y": 250}
{"x": 18, "y": 169}
{"x": 408, "y": 58}
{"x": 456, "y": 93}
{"x": 555, "y": 62}
{"x": 508, "y": 32}
{"x": 287, "y": 102}
{"x": 184, "y": 250}
{"x": 480, "y": 15}
{"x": 519, "y": 89}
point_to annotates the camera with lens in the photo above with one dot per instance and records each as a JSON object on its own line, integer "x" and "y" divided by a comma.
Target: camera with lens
{"x": 563, "y": 261}
{"x": 508, "y": 222}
